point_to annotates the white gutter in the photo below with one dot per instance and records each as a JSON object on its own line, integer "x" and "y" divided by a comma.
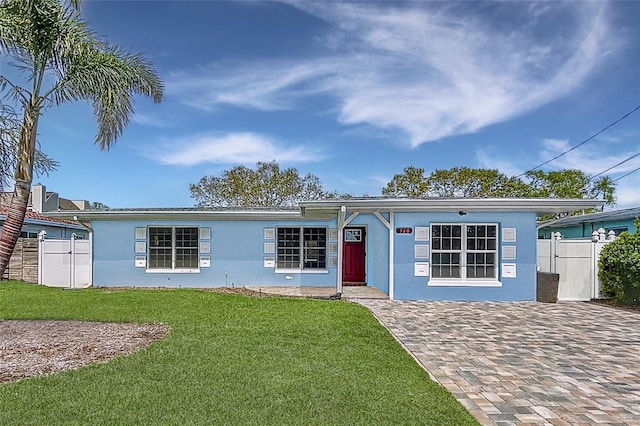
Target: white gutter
{"x": 537, "y": 205}
{"x": 190, "y": 214}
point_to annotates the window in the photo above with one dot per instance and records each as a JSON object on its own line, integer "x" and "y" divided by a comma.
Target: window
{"x": 173, "y": 248}
{"x": 353, "y": 235}
{"x": 302, "y": 248}
{"x": 464, "y": 251}
{"x": 25, "y": 234}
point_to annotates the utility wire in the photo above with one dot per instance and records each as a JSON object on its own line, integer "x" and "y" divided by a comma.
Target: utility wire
{"x": 614, "y": 166}
{"x": 583, "y": 142}
{"x": 626, "y": 174}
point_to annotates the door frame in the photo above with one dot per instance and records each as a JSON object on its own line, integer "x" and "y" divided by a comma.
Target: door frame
{"x": 363, "y": 242}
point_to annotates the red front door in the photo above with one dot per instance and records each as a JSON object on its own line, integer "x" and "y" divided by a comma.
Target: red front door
{"x": 353, "y": 255}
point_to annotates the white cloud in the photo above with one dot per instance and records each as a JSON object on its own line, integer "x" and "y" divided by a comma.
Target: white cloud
{"x": 429, "y": 71}
{"x": 627, "y": 193}
{"x": 595, "y": 159}
{"x": 263, "y": 86}
{"x": 488, "y": 159}
{"x": 149, "y": 120}
{"x": 591, "y": 159}
{"x": 231, "y": 148}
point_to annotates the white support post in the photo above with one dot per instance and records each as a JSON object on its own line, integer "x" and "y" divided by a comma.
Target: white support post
{"x": 392, "y": 284}
{"x": 72, "y": 260}
{"x": 341, "y": 225}
{"x": 42, "y": 235}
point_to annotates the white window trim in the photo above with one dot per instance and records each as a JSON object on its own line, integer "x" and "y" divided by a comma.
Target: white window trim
{"x": 149, "y": 270}
{"x": 301, "y": 269}
{"x": 441, "y": 282}
{"x": 172, "y": 271}
{"x": 464, "y": 281}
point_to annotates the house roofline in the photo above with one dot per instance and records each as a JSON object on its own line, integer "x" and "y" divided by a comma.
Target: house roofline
{"x": 622, "y": 214}
{"x": 177, "y": 213}
{"x": 319, "y": 209}
{"x": 535, "y": 205}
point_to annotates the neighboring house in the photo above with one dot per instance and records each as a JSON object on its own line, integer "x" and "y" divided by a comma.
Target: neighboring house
{"x": 425, "y": 249}
{"x": 34, "y": 223}
{"x": 41, "y": 201}
{"x": 584, "y": 226}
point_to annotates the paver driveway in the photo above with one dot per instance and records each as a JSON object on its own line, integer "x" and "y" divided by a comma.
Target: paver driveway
{"x": 526, "y": 363}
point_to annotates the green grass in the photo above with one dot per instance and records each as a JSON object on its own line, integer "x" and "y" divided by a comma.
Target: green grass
{"x": 228, "y": 359}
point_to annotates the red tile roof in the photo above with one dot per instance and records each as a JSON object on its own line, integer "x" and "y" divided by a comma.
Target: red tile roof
{"x": 34, "y": 215}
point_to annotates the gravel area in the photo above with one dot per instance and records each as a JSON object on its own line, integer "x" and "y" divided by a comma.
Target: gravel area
{"x": 31, "y": 348}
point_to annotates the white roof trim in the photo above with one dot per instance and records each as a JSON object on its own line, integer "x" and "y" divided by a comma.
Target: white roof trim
{"x": 536, "y": 205}
{"x": 324, "y": 209}
{"x": 163, "y": 214}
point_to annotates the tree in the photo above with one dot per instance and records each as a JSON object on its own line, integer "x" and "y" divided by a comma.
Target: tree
{"x": 63, "y": 61}
{"x": 477, "y": 183}
{"x": 571, "y": 183}
{"x": 9, "y": 136}
{"x": 455, "y": 182}
{"x": 410, "y": 183}
{"x": 266, "y": 186}
{"x": 96, "y": 205}
{"x": 474, "y": 183}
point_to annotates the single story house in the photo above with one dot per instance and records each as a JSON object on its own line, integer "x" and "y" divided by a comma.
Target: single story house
{"x": 411, "y": 249}
{"x": 583, "y": 226}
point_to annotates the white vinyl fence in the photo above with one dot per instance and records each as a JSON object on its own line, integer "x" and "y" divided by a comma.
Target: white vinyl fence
{"x": 64, "y": 263}
{"x": 576, "y": 261}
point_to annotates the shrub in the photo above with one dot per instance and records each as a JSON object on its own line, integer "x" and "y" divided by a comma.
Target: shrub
{"x": 619, "y": 268}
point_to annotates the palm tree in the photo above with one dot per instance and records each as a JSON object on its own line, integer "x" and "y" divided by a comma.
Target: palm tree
{"x": 63, "y": 61}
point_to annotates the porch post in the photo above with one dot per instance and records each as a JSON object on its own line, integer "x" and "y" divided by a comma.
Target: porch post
{"x": 341, "y": 215}
{"x": 391, "y": 256}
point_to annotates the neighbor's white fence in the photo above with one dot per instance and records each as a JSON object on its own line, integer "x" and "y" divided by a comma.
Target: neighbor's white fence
{"x": 576, "y": 261}
{"x": 64, "y": 263}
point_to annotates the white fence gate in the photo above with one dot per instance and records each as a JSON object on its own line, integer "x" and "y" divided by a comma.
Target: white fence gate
{"x": 64, "y": 263}
{"x": 576, "y": 261}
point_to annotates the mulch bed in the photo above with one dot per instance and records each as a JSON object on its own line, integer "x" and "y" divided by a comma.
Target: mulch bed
{"x": 31, "y": 348}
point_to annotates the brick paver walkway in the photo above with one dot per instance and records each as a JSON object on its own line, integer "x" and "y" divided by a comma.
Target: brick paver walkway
{"x": 526, "y": 363}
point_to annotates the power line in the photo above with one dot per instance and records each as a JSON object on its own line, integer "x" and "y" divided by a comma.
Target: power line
{"x": 583, "y": 142}
{"x": 614, "y": 166}
{"x": 626, "y": 174}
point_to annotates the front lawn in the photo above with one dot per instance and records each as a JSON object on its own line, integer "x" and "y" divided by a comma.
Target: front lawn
{"x": 228, "y": 359}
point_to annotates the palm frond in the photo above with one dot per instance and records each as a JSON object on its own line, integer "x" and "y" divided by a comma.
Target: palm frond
{"x": 108, "y": 78}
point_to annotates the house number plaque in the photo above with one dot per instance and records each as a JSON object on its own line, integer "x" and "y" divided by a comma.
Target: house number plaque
{"x": 404, "y": 230}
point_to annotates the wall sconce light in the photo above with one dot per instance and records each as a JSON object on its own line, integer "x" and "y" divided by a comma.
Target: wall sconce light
{"x": 461, "y": 213}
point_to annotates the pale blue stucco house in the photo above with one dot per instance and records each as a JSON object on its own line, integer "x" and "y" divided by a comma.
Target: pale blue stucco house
{"x": 411, "y": 249}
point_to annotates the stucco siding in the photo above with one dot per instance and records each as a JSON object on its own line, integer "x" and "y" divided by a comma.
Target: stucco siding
{"x": 521, "y": 287}
{"x": 236, "y": 254}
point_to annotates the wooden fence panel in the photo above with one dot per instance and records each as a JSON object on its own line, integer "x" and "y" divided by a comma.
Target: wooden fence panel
{"x": 23, "y": 265}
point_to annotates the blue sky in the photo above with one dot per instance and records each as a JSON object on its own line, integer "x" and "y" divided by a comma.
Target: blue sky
{"x": 355, "y": 92}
